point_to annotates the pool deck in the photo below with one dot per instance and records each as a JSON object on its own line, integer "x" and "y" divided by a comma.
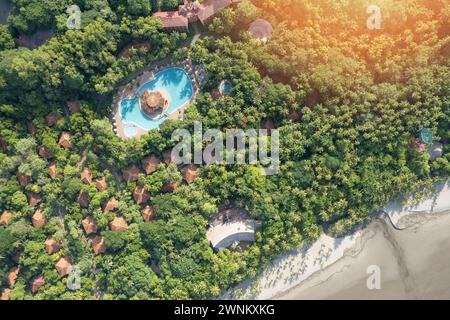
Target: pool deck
{"x": 128, "y": 91}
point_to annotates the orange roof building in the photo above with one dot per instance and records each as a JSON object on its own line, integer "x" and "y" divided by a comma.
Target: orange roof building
{"x": 101, "y": 184}
{"x": 13, "y": 273}
{"x": 4, "y": 296}
{"x": 5, "y": 217}
{"x": 52, "y": 170}
{"x": 131, "y": 173}
{"x": 39, "y": 219}
{"x": 118, "y": 224}
{"x": 83, "y": 199}
{"x": 111, "y": 205}
{"x": 52, "y": 246}
{"x": 98, "y": 245}
{"x": 36, "y": 283}
{"x": 45, "y": 152}
{"x": 141, "y": 195}
{"x": 64, "y": 266}
{"x": 64, "y": 140}
{"x": 148, "y": 213}
{"x": 190, "y": 173}
{"x": 89, "y": 225}
{"x": 52, "y": 119}
{"x": 172, "y": 20}
{"x": 33, "y": 198}
{"x": 86, "y": 176}
{"x": 150, "y": 164}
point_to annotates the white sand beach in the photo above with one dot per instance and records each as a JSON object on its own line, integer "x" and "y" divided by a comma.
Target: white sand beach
{"x": 410, "y": 245}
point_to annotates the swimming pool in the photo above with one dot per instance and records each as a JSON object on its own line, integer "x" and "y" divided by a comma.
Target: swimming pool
{"x": 174, "y": 81}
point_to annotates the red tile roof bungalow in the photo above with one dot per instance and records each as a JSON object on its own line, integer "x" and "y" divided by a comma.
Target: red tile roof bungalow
{"x": 192, "y": 11}
{"x": 210, "y": 8}
{"x": 172, "y": 21}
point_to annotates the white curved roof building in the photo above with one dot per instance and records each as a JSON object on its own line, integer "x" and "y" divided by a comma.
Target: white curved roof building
{"x": 230, "y": 226}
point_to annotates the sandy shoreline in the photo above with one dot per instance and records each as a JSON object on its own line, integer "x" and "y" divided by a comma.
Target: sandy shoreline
{"x": 405, "y": 244}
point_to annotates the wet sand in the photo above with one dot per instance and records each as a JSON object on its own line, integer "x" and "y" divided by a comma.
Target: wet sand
{"x": 414, "y": 264}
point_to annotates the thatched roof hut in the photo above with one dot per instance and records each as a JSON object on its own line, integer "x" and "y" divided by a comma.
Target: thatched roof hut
{"x": 5, "y": 217}
{"x": 64, "y": 140}
{"x": 31, "y": 127}
{"x": 38, "y": 219}
{"x": 33, "y": 198}
{"x": 73, "y": 106}
{"x": 52, "y": 170}
{"x": 98, "y": 245}
{"x": 170, "y": 186}
{"x": 150, "y": 163}
{"x": 167, "y": 156}
{"x": 141, "y": 195}
{"x": 23, "y": 179}
{"x": 152, "y": 103}
{"x": 148, "y": 213}
{"x": 13, "y": 273}
{"x": 3, "y": 145}
{"x": 53, "y": 118}
{"x": 45, "y": 152}
{"x": 118, "y": 224}
{"x": 261, "y": 29}
{"x": 89, "y": 225}
{"x": 294, "y": 115}
{"x": 83, "y": 199}
{"x": 86, "y": 176}
{"x": 268, "y": 125}
{"x": 36, "y": 283}
{"x": 111, "y": 205}
{"x": 4, "y": 296}
{"x": 190, "y": 173}
{"x": 52, "y": 246}
{"x": 131, "y": 173}
{"x": 101, "y": 184}
{"x": 64, "y": 266}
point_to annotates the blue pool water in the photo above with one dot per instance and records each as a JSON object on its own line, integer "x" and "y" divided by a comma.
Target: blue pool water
{"x": 175, "y": 81}
{"x": 225, "y": 87}
{"x": 130, "y": 131}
